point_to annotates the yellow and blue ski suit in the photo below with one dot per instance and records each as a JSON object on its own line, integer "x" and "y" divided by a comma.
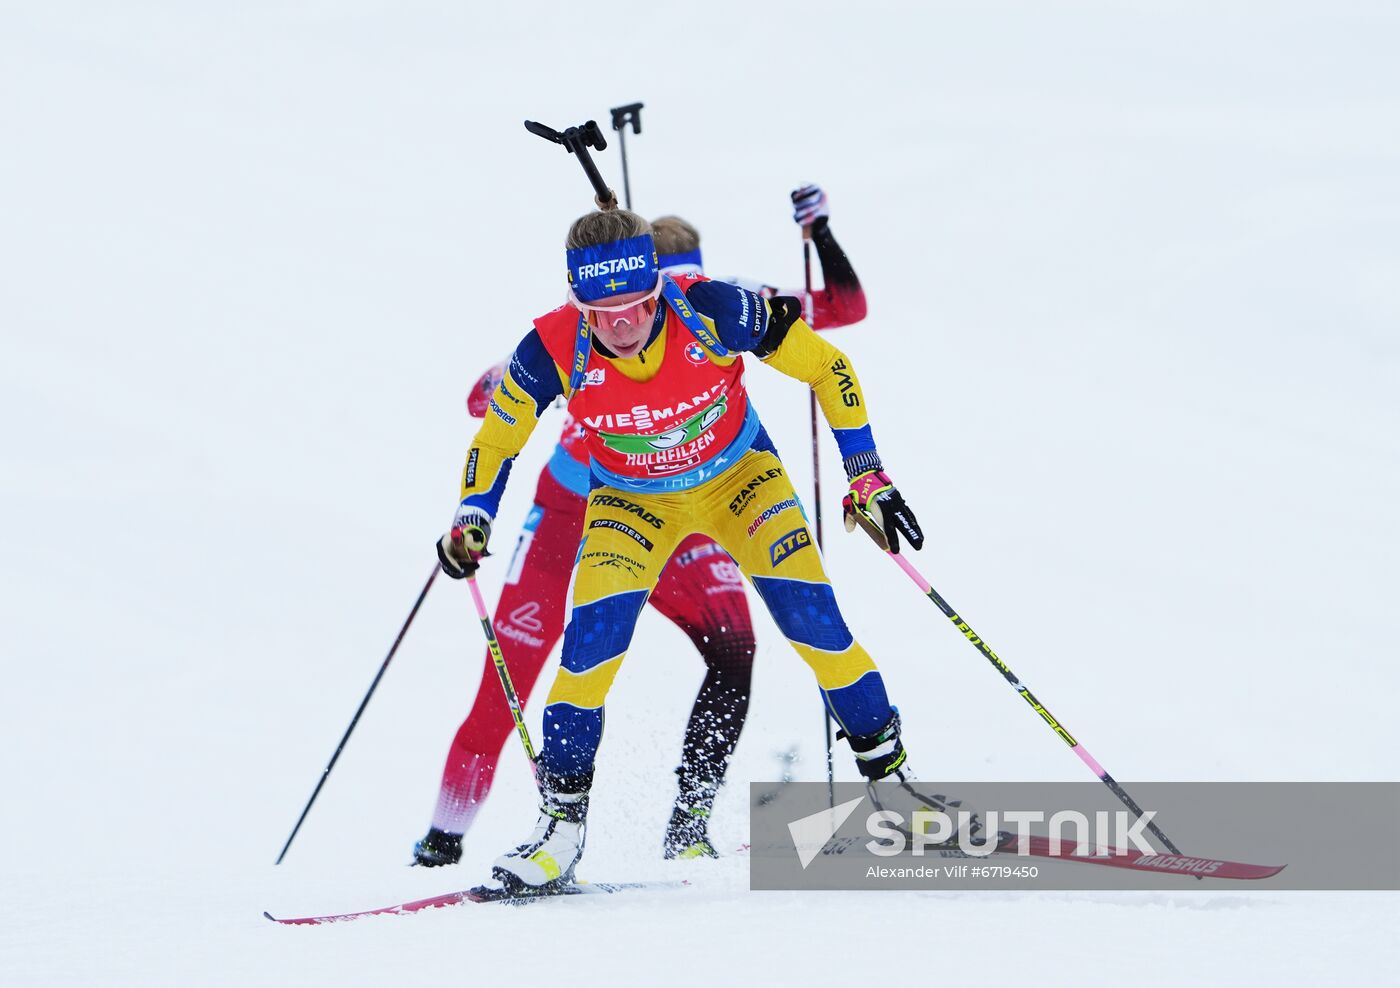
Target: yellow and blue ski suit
{"x": 676, "y": 447}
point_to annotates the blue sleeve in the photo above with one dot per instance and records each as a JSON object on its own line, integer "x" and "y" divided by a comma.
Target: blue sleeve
{"x": 529, "y": 385}
{"x": 490, "y": 500}
{"x": 533, "y": 369}
{"x": 853, "y": 441}
{"x": 740, "y": 317}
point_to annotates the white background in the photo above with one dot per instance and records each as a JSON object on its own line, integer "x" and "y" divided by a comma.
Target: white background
{"x": 1131, "y": 356}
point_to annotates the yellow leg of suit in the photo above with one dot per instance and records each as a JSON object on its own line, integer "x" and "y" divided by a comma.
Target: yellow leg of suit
{"x": 757, "y": 518}
{"x": 627, "y": 539}
{"x": 752, "y": 511}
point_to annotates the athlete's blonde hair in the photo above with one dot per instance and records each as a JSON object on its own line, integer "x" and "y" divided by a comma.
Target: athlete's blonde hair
{"x": 603, "y": 226}
{"x": 674, "y": 235}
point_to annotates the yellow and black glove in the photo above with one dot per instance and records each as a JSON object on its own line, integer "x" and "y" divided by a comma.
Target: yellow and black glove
{"x": 461, "y": 550}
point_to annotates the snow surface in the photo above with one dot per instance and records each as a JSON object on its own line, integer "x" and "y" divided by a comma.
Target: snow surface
{"x": 1133, "y": 358}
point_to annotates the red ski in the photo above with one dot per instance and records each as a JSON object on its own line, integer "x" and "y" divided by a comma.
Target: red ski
{"x": 1039, "y": 846}
{"x": 481, "y": 893}
{"x": 1179, "y": 864}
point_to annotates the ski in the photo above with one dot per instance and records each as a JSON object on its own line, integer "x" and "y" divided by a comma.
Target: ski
{"x": 480, "y": 893}
{"x": 1180, "y": 864}
{"x": 1038, "y": 846}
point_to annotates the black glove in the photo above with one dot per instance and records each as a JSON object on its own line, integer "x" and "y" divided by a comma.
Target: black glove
{"x": 461, "y": 550}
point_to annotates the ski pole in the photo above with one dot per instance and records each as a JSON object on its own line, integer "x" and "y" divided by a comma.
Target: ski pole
{"x": 363, "y": 703}
{"x": 512, "y": 699}
{"x": 577, "y": 141}
{"x": 621, "y": 117}
{"x": 809, "y": 316}
{"x": 1029, "y": 697}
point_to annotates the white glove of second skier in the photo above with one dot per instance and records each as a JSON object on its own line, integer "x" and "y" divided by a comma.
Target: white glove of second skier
{"x": 809, "y": 204}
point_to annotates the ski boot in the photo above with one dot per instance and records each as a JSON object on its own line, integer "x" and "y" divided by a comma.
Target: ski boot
{"x": 546, "y": 861}
{"x": 438, "y": 848}
{"x": 884, "y": 763}
{"x": 687, "y": 835}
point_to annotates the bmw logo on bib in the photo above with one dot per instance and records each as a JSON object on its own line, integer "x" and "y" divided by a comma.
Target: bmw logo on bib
{"x": 695, "y": 353}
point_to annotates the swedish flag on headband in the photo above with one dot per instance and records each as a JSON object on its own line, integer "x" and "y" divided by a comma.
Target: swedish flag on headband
{"x": 600, "y": 271}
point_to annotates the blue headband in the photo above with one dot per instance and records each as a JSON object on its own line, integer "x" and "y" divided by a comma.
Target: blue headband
{"x": 690, "y": 257}
{"x": 603, "y": 270}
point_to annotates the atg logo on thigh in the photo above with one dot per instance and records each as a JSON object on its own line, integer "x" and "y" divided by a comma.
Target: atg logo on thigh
{"x": 791, "y": 542}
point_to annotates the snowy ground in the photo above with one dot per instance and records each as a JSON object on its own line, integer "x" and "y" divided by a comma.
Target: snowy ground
{"x": 1133, "y": 358}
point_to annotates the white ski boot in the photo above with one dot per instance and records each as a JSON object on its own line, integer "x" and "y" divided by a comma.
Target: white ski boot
{"x": 546, "y": 861}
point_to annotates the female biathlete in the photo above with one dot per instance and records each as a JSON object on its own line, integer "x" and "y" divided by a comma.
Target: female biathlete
{"x": 653, "y": 370}
{"x": 700, "y": 590}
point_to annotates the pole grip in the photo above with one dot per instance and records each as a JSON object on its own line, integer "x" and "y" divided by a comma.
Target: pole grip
{"x": 629, "y": 114}
{"x": 577, "y": 141}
